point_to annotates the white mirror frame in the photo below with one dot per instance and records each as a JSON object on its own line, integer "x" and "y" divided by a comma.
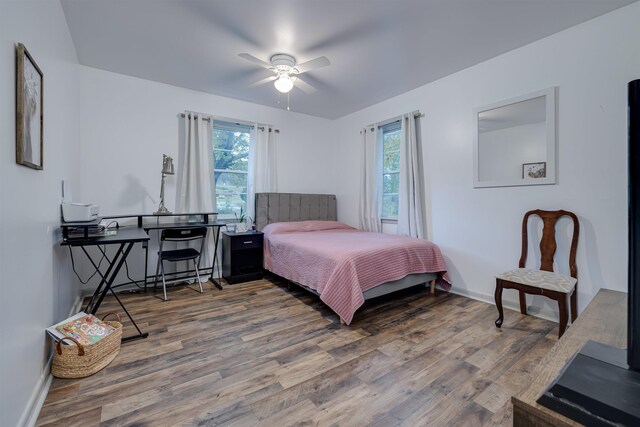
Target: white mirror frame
{"x": 550, "y": 98}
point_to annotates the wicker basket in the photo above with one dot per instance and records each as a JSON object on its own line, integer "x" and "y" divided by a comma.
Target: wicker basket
{"x": 78, "y": 361}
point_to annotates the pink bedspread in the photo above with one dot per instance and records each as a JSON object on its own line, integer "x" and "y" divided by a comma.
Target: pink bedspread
{"x": 341, "y": 262}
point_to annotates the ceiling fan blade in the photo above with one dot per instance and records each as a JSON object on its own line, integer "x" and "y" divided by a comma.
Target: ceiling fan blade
{"x": 255, "y": 60}
{"x": 313, "y": 64}
{"x": 263, "y": 81}
{"x": 303, "y": 86}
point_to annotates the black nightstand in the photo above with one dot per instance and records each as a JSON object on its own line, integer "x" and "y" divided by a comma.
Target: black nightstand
{"x": 242, "y": 256}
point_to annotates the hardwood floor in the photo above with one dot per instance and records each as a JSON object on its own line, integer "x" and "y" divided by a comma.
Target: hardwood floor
{"x": 258, "y": 354}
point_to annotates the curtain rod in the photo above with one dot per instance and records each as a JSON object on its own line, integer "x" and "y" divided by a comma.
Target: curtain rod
{"x": 208, "y": 118}
{"x": 416, "y": 114}
{"x": 275, "y": 130}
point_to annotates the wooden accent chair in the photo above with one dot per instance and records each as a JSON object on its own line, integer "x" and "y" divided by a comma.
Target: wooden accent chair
{"x": 544, "y": 281}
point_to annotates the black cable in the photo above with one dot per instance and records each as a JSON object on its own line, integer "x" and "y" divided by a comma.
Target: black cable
{"x": 126, "y": 266}
{"x": 109, "y": 225}
{"x": 127, "y": 270}
{"x": 73, "y": 266}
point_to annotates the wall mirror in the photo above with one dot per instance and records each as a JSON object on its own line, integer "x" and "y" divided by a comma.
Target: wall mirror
{"x": 515, "y": 141}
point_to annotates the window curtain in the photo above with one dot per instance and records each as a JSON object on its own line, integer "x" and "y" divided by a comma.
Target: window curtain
{"x": 262, "y": 176}
{"x": 410, "y": 206}
{"x": 370, "y": 183}
{"x": 195, "y": 190}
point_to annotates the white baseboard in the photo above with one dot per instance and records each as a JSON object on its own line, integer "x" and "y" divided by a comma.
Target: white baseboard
{"x": 77, "y": 305}
{"x": 39, "y": 394}
{"x": 30, "y": 416}
{"x": 508, "y": 303}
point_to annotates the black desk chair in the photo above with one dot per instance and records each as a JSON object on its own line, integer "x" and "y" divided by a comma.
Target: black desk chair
{"x": 180, "y": 235}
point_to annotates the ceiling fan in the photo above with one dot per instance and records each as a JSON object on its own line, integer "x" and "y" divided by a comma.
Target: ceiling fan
{"x": 286, "y": 71}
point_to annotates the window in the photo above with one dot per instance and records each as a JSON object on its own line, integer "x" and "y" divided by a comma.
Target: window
{"x": 231, "y": 164}
{"x": 390, "y": 169}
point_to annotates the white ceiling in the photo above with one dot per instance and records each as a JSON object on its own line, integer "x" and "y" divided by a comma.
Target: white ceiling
{"x": 378, "y": 48}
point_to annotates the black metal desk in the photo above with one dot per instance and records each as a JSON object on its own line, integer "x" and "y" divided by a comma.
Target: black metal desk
{"x": 125, "y": 237}
{"x": 196, "y": 219}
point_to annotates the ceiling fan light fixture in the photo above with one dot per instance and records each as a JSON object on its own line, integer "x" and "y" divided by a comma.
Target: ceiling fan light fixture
{"x": 283, "y": 83}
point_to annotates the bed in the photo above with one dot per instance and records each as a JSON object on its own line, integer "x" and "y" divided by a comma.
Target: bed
{"x": 305, "y": 244}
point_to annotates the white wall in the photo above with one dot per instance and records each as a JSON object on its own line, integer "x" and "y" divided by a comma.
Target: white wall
{"x": 478, "y": 229}
{"x": 127, "y": 124}
{"x": 37, "y": 288}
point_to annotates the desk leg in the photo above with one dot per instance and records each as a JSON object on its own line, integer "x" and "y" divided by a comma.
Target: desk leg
{"x": 108, "y": 279}
{"x": 103, "y": 282}
{"x": 112, "y": 272}
{"x": 215, "y": 257}
{"x": 146, "y": 262}
{"x": 140, "y": 333}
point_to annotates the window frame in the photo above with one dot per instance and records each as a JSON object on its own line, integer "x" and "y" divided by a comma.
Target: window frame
{"x": 389, "y": 126}
{"x": 231, "y": 126}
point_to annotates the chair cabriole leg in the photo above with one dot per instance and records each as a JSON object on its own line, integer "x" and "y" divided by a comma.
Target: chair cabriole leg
{"x": 523, "y": 302}
{"x": 498, "y": 297}
{"x": 574, "y": 305}
{"x": 564, "y": 315}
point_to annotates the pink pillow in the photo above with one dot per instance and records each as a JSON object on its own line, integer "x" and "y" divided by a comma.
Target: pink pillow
{"x": 288, "y": 227}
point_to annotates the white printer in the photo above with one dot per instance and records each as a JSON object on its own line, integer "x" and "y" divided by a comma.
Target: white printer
{"x": 79, "y": 212}
{"x": 76, "y": 212}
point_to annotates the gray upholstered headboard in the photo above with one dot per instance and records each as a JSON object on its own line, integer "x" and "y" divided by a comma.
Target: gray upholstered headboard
{"x": 279, "y": 207}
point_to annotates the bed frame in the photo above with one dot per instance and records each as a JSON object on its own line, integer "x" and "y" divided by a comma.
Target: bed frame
{"x": 281, "y": 207}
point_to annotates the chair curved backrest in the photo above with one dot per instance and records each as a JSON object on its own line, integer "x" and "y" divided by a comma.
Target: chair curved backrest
{"x": 183, "y": 234}
{"x": 548, "y": 242}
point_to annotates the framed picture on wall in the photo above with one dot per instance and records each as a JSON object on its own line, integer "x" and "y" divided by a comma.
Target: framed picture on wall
{"x": 534, "y": 170}
{"x": 29, "y": 110}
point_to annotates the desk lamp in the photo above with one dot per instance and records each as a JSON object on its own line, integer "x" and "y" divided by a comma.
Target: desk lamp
{"x": 167, "y": 169}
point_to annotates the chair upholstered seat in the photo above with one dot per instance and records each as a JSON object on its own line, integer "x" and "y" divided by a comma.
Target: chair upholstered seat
{"x": 540, "y": 279}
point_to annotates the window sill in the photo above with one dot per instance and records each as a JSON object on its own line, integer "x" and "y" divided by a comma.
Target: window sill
{"x": 388, "y": 221}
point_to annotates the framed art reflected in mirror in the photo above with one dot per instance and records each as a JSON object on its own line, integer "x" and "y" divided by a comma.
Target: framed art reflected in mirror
{"x": 534, "y": 170}
{"x": 29, "y": 110}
